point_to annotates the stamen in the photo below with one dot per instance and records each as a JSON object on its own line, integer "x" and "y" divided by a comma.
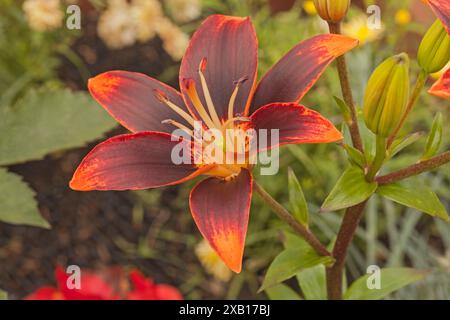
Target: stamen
{"x": 179, "y": 126}
{"x": 234, "y": 95}
{"x": 230, "y": 121}
{"x": 209, "y": 102}
{"x": 191, "y": 89}
{"x": 164, "y": 99}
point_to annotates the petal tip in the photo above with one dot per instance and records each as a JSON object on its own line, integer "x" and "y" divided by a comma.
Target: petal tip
{"x": 103, "y": 84}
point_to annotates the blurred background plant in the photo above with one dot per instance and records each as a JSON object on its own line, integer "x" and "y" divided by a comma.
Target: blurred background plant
{"x": 153, "y": 229}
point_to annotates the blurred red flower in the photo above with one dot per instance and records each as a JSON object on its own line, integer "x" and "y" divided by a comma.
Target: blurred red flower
{"x": 108, "y": 284}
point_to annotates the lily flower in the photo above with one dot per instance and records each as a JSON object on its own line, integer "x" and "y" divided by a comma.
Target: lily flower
{"x": 441, "y": 88}
{"x": 218, "y": 88}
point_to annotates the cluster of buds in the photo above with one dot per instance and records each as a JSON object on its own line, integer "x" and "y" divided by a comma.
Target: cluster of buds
{"x": 387, "y": 95}
{"x": 434, "y": 50}
{"x": 332, "y": 10}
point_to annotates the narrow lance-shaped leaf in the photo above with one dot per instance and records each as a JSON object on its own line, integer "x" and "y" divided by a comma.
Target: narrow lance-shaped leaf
{"x": 17, "y": 203}
{"x": 415, "y": 195}
{"x": 351, "y": 189}
{"x": 297, "y": 256}
{"x": 355, "y": 156}
{"x": 400, "y": 144}
{"x": 282, "y": 292}
{"x": 297, "y": 200}
{"x": 289, "y": 262}
{"x": 390, "y": 280}
{"x": 345, "y": 110}
{"x": 434, "y": 138}
{"x": 313, "y": 283}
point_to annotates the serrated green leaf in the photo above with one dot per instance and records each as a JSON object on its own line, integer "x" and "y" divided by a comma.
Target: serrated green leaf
{"x": 434, "y": 138}
{"x": 351, "y": 189}
{"x": 297, "y": 201}
{"x": 391, "y": 279}
{"x": 415, "y": 195}
{"x": 312, "y": 281}
{"x": 400, "y": 144}
{"x": 3, "y": 295}
{"x": 289, "y": 262}
{"x": 282, "y": 292}
{"x": 17, "y": 203}
{"x": 356, "y": 156}
{"x": 49, "y": 120}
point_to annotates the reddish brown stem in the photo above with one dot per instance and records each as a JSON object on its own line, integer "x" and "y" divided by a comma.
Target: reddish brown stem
{"x": 347, "y": 92}
{"x": 415, "y": 169}
{"x": 284, "y": 215}
{"x": 344, "y": 238}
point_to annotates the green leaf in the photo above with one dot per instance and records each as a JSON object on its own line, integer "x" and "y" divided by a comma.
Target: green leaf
{"x": 345, "y": 110}
{"x": 415, "y": 195}
{"x": 391, "y": 279}
{"x": 434, "y": 138}
{"x": 3, "y": 295}
{"x": 17, "y": 203}
{"x": 282, "y": 292}
{"x": 355, "y": 156}
{"x": 313, "y": 283}
{"x": 49, "y": 120}
{"x": 297, "y": 200}
{"x": 400, "y": 144}
{"x": 351, "y": 189}
{"x": 289, "y": 262}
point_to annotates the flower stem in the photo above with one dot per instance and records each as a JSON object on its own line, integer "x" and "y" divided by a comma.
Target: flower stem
{"x": 380, "y": 155}
{"x": 344, "y": 238}
{"x": 335, "y": 28}
{"x": 284, "y": 215}
{"x": 420, "y": 83}
{"x": 415, "y": 169}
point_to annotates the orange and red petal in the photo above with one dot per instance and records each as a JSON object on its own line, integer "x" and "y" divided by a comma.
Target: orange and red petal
{"x": 133, "y": 161}
{"x": 441, "y": 9}
{"x": 292, "y": 77}
{"x": 221, "y": 211}
{"x": 229, "y": 47}
{"x": 132, "y": 99}
{"x": 295, "y": 123}
{"x": 441, "y": 87}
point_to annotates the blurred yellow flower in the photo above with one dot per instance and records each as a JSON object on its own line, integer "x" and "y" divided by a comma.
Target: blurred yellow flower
{"x": 175, "y": 41}
{"x": 402, "y": 17}
{"x": 358, "y": 28}
{"x": 211, "y": 261}
{"x": 115, "y": 27}
{"x": 43, "y": 15}
{"x": 309, "y": 7}
{"x": 184, "y": 10}
{"x": 147, "y": 14}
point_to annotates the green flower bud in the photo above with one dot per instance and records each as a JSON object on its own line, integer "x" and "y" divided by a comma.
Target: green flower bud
{"x": 387, "y": 95}
{"x": 332, "y": 10}
{"x": 434, "y": 50}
